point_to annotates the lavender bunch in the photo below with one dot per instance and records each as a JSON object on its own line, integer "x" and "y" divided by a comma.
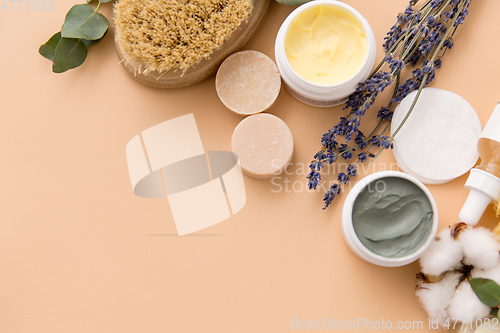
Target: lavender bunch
{"x": 420, "y": 37}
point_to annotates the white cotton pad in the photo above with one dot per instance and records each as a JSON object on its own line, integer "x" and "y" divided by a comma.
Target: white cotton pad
{"x": 438, "y": 142}
{"x": 405, "y": 169}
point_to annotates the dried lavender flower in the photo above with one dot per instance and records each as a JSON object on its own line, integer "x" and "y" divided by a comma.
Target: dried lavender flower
{"x": 419, "y": 36}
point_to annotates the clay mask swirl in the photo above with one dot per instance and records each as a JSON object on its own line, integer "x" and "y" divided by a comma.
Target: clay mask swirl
{"x": 392, "y": 217}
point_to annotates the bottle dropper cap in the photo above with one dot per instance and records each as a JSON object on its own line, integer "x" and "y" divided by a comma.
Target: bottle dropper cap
{"x": 484, "y": 189}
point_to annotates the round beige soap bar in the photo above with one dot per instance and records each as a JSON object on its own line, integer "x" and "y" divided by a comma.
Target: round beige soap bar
{"x": 248, "y": 82}
{"x": 264, "y": 145}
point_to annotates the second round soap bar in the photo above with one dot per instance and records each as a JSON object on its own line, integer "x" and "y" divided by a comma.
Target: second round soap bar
{"x": 264, "y": 145}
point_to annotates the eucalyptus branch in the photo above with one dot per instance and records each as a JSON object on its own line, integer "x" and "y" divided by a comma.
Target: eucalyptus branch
{"x": 83, "y": 27}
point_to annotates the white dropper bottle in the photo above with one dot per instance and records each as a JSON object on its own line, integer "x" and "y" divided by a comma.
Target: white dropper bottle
{"x": 484, "y": 180}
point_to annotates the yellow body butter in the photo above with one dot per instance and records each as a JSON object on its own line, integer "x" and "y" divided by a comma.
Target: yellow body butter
{"x": 326, "y": 44}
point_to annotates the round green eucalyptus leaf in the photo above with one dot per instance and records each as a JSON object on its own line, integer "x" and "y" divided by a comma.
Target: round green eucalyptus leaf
{"x": 92, "y": 42}
{"x": 488, "y": 291}
{"x": 70, "y": 53}
{"x": 83, "y": 22}
{"x": 49, "y": 48}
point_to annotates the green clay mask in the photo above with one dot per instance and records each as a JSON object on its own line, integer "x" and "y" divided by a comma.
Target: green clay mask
{"x": 392, "y": 217}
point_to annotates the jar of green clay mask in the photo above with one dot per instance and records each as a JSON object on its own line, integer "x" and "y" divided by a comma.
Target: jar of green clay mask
{"x": 389, "y": 218}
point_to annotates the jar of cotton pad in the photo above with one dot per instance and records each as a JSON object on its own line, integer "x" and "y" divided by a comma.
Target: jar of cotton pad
{"x": 389, "y": 218}
{"x": 323, "y": 49}
{"x": 175, "y": 43}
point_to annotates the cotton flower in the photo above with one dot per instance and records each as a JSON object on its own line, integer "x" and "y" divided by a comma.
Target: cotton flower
{"x": 480, "y": 248}
{"x": 455, "y": 256}
{"x": 465, "y": 305}
{"x": 435, "y": 297}
{"x": 442, "y": 255}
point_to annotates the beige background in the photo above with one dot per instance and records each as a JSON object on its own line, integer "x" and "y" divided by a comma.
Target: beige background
{"x": 79, "y": 252}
